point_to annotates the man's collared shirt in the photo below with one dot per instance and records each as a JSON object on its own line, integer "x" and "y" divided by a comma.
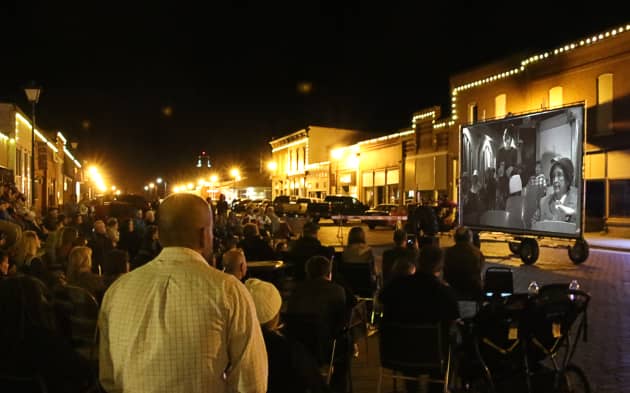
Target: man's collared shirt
{"x": 178, "y": 325}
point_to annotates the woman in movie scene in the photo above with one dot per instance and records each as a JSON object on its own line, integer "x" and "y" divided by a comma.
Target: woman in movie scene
{"x": 561, "y": 203}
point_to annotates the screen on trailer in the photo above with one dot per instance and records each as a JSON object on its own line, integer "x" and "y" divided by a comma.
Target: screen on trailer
{"x": 523, "y": 174}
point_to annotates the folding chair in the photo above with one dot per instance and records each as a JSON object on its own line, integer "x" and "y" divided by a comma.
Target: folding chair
{"x": 417, "y": 349}
{"x": 358, "y": 276}
{"x": 319, "y": 340}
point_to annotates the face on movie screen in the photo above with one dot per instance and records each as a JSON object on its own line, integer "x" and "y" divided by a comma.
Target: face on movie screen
{"x": 523, "y": 174}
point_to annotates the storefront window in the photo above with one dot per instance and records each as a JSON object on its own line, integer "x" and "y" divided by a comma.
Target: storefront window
{"x": 368, "y": 196}
{"x": 620, "y": 198}
{"x": 393, "y": 194}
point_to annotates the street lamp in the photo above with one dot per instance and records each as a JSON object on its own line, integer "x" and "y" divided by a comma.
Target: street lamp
{"x": 32, "y": 94}
{"x": 164, "y": 184}
{"x": 236, "y": 174}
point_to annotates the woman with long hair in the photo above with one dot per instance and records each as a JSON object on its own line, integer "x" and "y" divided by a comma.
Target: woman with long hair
{"x": 68, "y": 240}
{"x": 79, "y": 272}
{"x": 27, "y": 250}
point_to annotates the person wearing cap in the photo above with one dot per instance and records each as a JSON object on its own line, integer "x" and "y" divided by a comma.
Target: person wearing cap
{"x": 561, "y": 203}
{"x": 306, "y": 246}
{"x": 291, "y": 367}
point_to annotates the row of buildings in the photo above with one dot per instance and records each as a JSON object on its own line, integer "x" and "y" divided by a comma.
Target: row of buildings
{"x": 58, "y": 174}
{"x": 422, "y": 161}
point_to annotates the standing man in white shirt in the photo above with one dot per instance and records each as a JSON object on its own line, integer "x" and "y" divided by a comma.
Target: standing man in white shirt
{"x": 178, "y": 325}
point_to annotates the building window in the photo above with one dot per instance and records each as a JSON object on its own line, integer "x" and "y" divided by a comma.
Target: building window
{"x": 500, "y": 105}
{"x": 298, "y": 160}
{"x": 620, "y": 198}
{"x": 555, "y": 96}
{"x": 604, "y": 114}
{"x": 472, "y": 113}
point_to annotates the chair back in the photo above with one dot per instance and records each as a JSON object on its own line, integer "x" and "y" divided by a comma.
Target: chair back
{"x": 312, "y": 332}
{"x": 77, "y": 314}
{"x": 358, "y": 276}
{"x": 498, "y": 281}
{"x": 498, "y": 331}
{"x": 551, "y": 315}
{"x": 412, "y": 346}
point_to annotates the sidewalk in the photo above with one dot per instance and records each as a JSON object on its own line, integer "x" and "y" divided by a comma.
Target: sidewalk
{"x": 596, "y": 240}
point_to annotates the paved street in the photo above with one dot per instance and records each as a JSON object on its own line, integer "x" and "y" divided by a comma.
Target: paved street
{"x": 605, "y": 275}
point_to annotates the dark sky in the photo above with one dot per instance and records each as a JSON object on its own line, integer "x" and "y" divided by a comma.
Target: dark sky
{"x": 229, "y": 70}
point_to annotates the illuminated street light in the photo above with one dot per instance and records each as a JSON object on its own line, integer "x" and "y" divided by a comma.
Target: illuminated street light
{"x": 236, "y": 174}
{"x": 272, "y": 166}
{"x": 32, "y": 93}
{"x": 113, "y": 188}
{"x": 214, "y": 178}
{"x": 159, "y": 180}
{"x": 191, "y": 186}
{"x": 146, "y": 188}
{"x": 151, "y": 185}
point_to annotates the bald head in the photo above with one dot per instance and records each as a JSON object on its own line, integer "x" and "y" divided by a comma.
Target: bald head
{"x": 234, "y": 263}
{"x": 186, "y": 221}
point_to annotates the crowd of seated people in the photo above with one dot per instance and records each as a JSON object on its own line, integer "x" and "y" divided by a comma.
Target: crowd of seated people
{"x": 71, "y": 259}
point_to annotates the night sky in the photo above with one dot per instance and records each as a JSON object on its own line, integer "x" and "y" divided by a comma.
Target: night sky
{"x": 145, "y": 88}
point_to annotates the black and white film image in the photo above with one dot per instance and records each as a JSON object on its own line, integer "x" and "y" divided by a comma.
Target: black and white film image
{"x": 523, "y": 174}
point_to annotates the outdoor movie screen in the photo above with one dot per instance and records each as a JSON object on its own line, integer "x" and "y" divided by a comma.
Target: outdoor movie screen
{"x": 523, "y": 174}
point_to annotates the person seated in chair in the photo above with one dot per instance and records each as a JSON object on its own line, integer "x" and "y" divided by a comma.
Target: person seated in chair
{"x": 291, "y": 367}
{"x": 561, "y": 203}
{"x": 463, "y": 264}
{"x": 400, "y": 249}
{"x": 357, "y": 252}
{"x": 234, "y": 263}
{"x": 254, "y": 246}
{"x": 421, "y": 298}
{"x": 307, "y": 246}
{"x": 318, "y": 296}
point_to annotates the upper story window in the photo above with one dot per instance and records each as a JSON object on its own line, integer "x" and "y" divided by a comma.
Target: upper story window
{"x": 472, "y": 113}
{"x": 500, "y": 105}
{"x": 555, "y": 97}
{"x": 604, "y": 113}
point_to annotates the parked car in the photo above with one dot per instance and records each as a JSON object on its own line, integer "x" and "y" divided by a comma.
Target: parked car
{"x": 386, "y": 209}
{"x": 345, "y": 206}
{"x": 123, "y": 207}
{"x": 290, "y": 206}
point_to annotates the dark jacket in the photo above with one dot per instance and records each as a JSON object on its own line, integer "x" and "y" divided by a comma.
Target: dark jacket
{"x": 323, "y": 298}
{"x": 100, "y": 245}
{"x": 389, "y": 258}
{"x": 46, "y": 354}
{"x": 463, "y": 264}
{"x": 419, "y": 298}
{"x": 257, "y": 249}
{"x": 301, "y": 250}
{"x": 291, "y": 367}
